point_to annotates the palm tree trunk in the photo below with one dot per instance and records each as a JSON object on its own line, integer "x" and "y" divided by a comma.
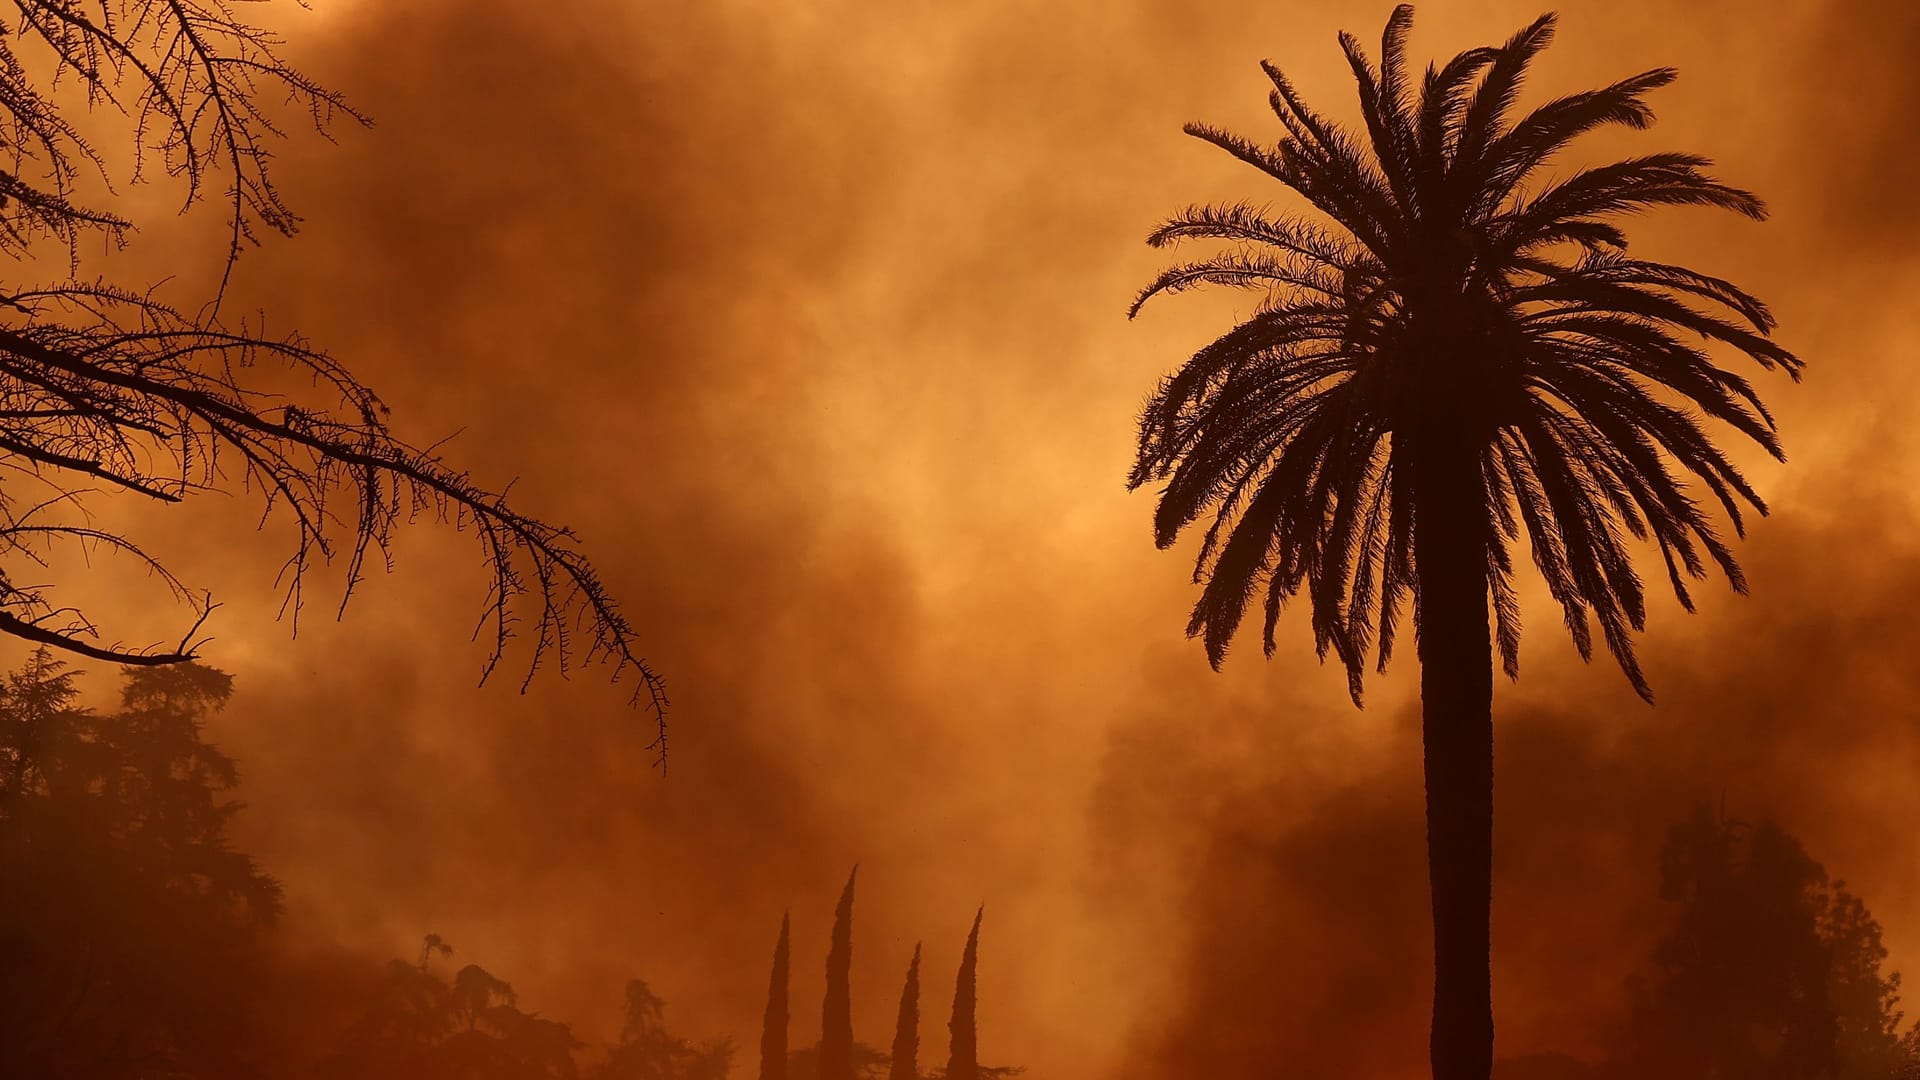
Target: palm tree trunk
{"x": 1456, "y": 697}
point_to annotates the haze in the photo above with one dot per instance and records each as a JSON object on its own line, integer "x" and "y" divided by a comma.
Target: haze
{"x": 810, "y": 318}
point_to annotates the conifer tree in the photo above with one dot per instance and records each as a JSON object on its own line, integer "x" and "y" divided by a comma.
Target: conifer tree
{"x": 906, "y": 1030}
{"x": 773, "y": 1029}
{"x": 836, "y": 1020}
{"x": 963, "y": 1056}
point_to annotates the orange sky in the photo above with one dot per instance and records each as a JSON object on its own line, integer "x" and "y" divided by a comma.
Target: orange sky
{"x": 810, "y": 318}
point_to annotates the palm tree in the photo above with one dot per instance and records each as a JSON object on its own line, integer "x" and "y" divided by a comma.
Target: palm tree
{"x": 1457, "y": 346}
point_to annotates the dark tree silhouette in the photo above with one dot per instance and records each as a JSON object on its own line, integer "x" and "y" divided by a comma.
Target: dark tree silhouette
{"x": 131, "y": 931}
{"x": 1461, "y": 347}
{"x": 773, "y": 1028}
{"x": 836, "y": 1014}
{"x": 109, "y": 389}
{"x": 648, "y": 1051}
{"x": 905, "y": 1063}
{"x": 470, "y": 1026}
{"x": 1770, "y": 969}
{"x": 963, "y": 1048}
{"x": 869, "y": 1062}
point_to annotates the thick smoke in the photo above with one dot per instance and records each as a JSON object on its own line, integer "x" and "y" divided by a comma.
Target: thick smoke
{"x": 809, "y": 317}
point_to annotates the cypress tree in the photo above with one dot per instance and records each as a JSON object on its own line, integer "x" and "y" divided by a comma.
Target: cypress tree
{"x": 906, "y": 1030}
{"x": 836, "y": 1019}
{"x": 963, "y": 1056}
{"x": 773, "y": 1030}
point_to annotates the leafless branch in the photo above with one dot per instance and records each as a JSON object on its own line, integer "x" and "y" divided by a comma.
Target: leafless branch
{"x": 105, "y": 390}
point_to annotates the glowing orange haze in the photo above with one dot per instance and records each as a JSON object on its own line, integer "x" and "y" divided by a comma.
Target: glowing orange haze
{"x": 809, "y": 317}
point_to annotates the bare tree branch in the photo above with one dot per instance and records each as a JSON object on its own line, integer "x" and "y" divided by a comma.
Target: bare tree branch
{"x": 114, "y": 388}
{"x": 198, "y": 85}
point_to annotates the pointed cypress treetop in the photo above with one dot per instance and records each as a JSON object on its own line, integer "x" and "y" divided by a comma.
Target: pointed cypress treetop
{"x": 906, "y": 1030}
{"x": 773, "y": 1030}
{"x": 836, "y": 1017}
{"x": 963, "y": 1057}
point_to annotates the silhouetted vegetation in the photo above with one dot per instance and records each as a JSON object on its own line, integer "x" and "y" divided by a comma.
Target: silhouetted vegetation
{"x": 836, "y": 1012}
{"x": 1769, "y": 969}
{"x": 866, "y": 1062}
{"x": 466, "y": 1025}
{"x": 1454, "y": 348}
{"x": 905, "y": 1064}
{"x": 469, "y": 1025}
{"x": 130, "y": 930}
{"x": 136, "y": 942}
{"x": 113, "y": 388}
{"x": 648, "y": 1051}
{"x": 1772, "y": 969}
{"x": 963, "y": 1057}
{"x": 773, "y": 1027}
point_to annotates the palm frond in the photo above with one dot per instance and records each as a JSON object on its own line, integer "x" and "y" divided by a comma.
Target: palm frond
{"x": 1441, "y": 290}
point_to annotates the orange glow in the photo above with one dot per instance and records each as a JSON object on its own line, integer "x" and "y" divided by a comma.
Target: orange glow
{"x": 810, "y": 318}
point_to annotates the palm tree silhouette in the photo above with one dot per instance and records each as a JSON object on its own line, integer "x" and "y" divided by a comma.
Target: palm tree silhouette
{"x": 1458, "y": 347}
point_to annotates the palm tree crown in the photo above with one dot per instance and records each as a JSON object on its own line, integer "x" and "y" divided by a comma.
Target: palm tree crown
{"x": 1455, "y": 299}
